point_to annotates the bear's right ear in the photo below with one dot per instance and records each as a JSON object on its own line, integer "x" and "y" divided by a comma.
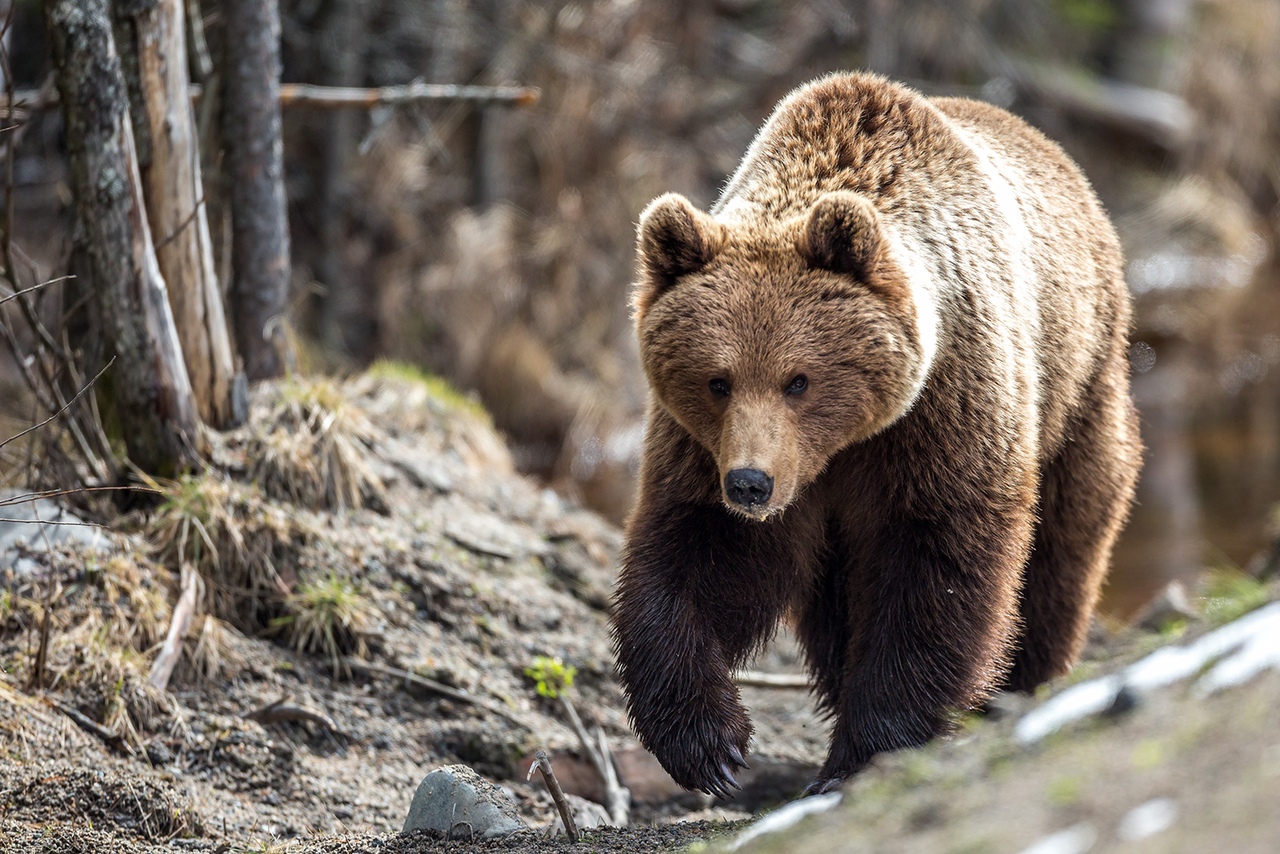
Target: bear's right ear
{"x": 674, "y": 239}
{"x": 841, "y": 234}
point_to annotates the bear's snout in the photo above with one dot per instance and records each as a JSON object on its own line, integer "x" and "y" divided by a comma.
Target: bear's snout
{"x": 750, "y": 489}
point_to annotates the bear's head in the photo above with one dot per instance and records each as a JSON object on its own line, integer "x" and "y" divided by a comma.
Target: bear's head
{"x": 776, "y": 344}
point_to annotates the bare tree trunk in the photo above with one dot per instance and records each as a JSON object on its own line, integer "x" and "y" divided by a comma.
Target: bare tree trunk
{"x": 156, "y": 35}
{"x": 152, "y": 394}
{"x": 255, "y": 171}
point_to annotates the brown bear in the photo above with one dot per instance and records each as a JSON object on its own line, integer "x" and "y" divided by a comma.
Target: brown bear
{"x": 890, "y": 400}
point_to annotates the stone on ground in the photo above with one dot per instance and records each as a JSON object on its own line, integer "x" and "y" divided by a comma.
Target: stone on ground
{"x": 459, "y": 803}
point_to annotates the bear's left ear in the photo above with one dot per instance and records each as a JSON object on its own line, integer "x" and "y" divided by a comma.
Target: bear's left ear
{"x": 675, "y": 239}
{"x": 841, "y": 234}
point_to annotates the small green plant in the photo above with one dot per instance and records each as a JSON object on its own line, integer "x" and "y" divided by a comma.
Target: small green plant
{"x": 551, "y": 676}
{"x": 328, "y": 616}
{"x": 1230, "y": 594}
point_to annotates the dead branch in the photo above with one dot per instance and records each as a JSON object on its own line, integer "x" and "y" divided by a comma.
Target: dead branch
{"x": 42, "y": 651}
{"x": 341, "y": 97}
{"x": 757, "y": 679}
{"x": 284, "y": 710}
{"x": 617, "y": 799}
{"x": 61, "y": 409}
{"x": 113, "y": 740}
{"x": 410, "y": 678}
{"x": 183, "y": 613}
{"x": 543, "y": 764}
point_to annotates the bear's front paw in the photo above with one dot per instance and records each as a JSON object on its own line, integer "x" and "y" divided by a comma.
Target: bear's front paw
{"x": 705, "y": 754}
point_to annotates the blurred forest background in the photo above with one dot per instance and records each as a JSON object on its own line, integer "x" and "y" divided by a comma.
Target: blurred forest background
{"x": 492, "y": 243}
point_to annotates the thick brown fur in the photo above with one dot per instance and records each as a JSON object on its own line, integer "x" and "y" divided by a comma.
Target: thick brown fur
{"x": 911, "y": 315}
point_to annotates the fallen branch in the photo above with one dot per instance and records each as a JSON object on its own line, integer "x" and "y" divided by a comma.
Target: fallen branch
{"x": 411, "y": 678}
{"x": 543, "y": 764}
{"x": 617, "y": 798}
{"x": 284, "y": 710}
{"x": 341, "y": 97}
{"x": 758, "y": 679}
{"x": 183, "y": 613}
{"x": 113, "y": 740}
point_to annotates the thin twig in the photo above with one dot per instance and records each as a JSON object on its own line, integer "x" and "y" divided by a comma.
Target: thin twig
{"x": 43, "y": 284}
{"x": 182, "y": 226}
{"x": 758, "y": 679}
{"x": 42, "y": 651}
{"x": 64, "y": 407}
{"x": 543, "y": 764}
{"x": 435, "y": 687}
{"x": 24, "y": 497}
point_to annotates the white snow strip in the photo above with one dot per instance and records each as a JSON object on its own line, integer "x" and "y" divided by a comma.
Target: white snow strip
{"x": 786, "y": 817}
{"x": 1076, "y": 839}
{"x": 1078, "y": 701}
{"x": 1243, "y": 649}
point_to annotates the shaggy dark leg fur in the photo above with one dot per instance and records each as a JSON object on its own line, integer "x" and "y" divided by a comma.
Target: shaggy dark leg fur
{"x": 699, "y": 590}
{"x": 934, "y": 629}
{"x": 1085, "y": 498}
{"x": 823, "y": 631}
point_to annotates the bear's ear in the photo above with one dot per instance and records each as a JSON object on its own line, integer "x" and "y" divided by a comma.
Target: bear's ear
{"x": 675, "y": 239}
{"x": 841, "y": 234}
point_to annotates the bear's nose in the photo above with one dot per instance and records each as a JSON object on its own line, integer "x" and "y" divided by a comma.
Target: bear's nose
{"x": 748, "y": 488}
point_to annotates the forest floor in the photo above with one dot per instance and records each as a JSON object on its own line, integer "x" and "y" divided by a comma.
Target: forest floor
{"x": 389, "y": 512}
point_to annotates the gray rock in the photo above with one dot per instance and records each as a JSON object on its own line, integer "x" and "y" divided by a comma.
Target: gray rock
{"x": 39, "y": 525}
{"x": 586, "y": 814}
{"x": 459, "y": 803}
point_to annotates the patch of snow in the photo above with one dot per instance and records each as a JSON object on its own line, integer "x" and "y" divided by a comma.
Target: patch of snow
{"x": 1242, "y": 649}
{"x": 786, "y": 817}
{"x": 1076, "y": 839}
{"x": 1155, "y": 816}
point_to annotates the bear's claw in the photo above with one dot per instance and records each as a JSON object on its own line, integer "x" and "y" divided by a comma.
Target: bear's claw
{"x": 822, "y": 786}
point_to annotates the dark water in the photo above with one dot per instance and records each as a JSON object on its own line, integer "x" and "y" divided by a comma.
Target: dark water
{"x": 1207, "y": 384}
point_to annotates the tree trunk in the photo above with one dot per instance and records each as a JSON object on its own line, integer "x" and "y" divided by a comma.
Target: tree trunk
{"x": 255, "y": 171}
{"x": 152, "y": 394}
{"x": 175, "y": 205}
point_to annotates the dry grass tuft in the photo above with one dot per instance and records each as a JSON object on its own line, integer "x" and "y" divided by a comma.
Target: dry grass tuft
{"x": 238, "y": 543}
{"x": 135, "y": 594}
{"x": 108, "y": 679}
{"x": 213, "y": 652}
{"x": 329, "y": 616}
{"x": 316, "y": 449}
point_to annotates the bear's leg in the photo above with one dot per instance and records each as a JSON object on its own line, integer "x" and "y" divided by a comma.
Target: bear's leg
{"x": 822, "y": 628}
{"x": 932, "y": 625}
{"x": 1085, "y": 496}
{"x": 698, "y": 591}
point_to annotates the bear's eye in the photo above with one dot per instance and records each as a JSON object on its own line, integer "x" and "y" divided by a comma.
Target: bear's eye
{"x": 719, "y": 387}
{"x": 798, "y": 384}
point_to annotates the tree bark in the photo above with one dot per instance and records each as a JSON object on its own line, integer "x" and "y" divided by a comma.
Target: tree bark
{"x": 152, "y": 393}
{"x": 255, "y": 171}
{"x": 175, "y": 203}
